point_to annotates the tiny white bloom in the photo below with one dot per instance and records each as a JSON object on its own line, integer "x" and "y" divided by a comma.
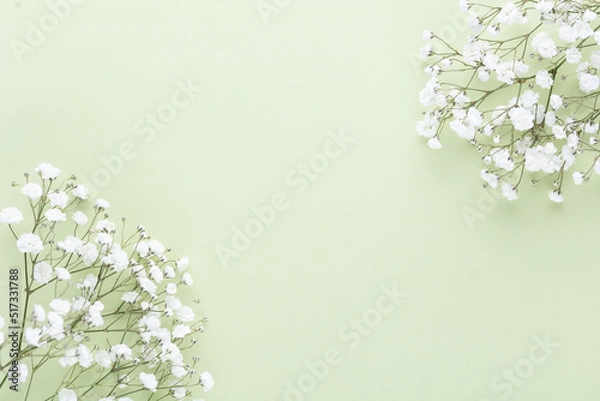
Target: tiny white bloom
{"x": 30, "y": 243}
{"x": 207, "y": 381}
{"x": 32, "y": 190}
{"x": 181, "y": 330}
{"x": 509, "y": 192}
{"x": 434, "y": 143}
{"x": 58, "y": 199}
{"x": 33, "y": 337}
{"x": 102, "y": 204}
{"x": 183, "y": 263}
{"x": 10, "y": 215}
{"x": 104, "y": 359}
{"x": 60, "y": 306}
{"x": 47, "y": 171}
{"x": 186, "y": 314}
{"x": 62, "y": 274}
{"x": 55, "y": 215}
{"x": 70, "y": 244}
{"x": 148, "y": 381}
{"x": 171, "y": 289}
{"x": 556, "y": 196}
{"x": 179, "y": 392}
{"x": 130, "y": 297}
{"x": 42, "y": 272}
{"x": 80, "y": 218}
{"x": 39, "y": 314}
{"x": 187, "y": 279}
{"x": 67, "y": 395}
{"x": 578, "y": 178}
{"x": 81, "y": 192}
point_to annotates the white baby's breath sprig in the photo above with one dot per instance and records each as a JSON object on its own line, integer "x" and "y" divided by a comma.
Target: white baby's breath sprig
{"x": 99, "y": 303}
{"x": 523, "y": 90}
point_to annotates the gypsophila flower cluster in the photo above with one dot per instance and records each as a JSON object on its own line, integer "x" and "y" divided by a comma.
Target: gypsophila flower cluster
{"x": 523, "y": 90}
{"x": 99, "y": 304}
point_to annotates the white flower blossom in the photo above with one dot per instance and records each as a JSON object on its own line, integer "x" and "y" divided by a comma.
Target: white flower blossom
{"x": 47, "y": 171}
{"x": 80, "y": 218}
{"x": 148, "y": 381}
{"x": 80, "y": 191}
{"x": 67, "y": 395}
{"x": 32, "y": 190}
{"x": 10, "y": 215}
{"x": 58, "y": 199}
{"x": 42, "y": 272}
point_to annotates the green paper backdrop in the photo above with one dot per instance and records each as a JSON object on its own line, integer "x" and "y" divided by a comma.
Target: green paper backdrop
{"x": 380, "y": 269}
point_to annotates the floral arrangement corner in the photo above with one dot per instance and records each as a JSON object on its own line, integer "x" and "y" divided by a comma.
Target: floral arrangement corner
{"x": 523, "y": 90}
{"x": 93, "y": 304}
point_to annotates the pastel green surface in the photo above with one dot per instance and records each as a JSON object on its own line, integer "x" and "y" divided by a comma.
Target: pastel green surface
{"x": 386, "y": 211}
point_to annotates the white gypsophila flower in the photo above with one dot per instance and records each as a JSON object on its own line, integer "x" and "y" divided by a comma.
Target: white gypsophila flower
{"x": 490, "y": 178}
{"x": 171, "y": 289}
{"x": 544, "y": 79}
{"x": 187, "y": 279}
{"x": 67, "y": 395}
{"x": 55, "y": 329}
{"x": 175, "y": 304}
{"x": 80, "y": 192}
{"x": 182, "y": 263}
{"x": 84, "y": 356}
{"x": 578, "y": 177}
{"x": 89, "y": 253}
{"x": 147, "y": 285}
{"x": 23, "y": 370}
{"x": 11, "y": 215}
{"x": 148, "y": 381}
{"x": 42, "y": 272}
{"x": 102, "y": 204}
{"x": 58, "y": 199}
{"x": 32, "y": 190}
{"x": 179, "y": 392}
{"x": 130, "y": 297}
{"x": 33, "y": 337}
{"x": 47, "y": 171}
{"x": 62, "y": 274}
{"x": 169, "y": 271}
{"x": 434, "y": 143}
{"x": 121, "y": 351}
{"x": 556, "y": 196}
{"x": 39, "y": 314}
{"x": 156, "y": 274}
{"x": 509, "y": 192}
{"x": 589, "y": 82}
{"x": 117, "y": 259}
{"x": 105, "y": 226}
{"x": 69, "y": 358}
{"x": 70, "y": 244}
{"x": 94, "y": 317}
{"x": 181, "y": 330}
{"x": 60, "y": 306}
{"x": 156, "y": 247}
{"x": 104, "y": 239}
{"x": 30, "y": 243}
{"x": 207, "y": 381}
{"x": 80, "y": 218}
{"x": 55, "y": 215}
{"x": 88, "y": 283}
{"x": 185, "y": 314}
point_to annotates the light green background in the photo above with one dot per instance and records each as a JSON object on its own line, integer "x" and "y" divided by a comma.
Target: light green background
{"x": 388, "y": 211}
